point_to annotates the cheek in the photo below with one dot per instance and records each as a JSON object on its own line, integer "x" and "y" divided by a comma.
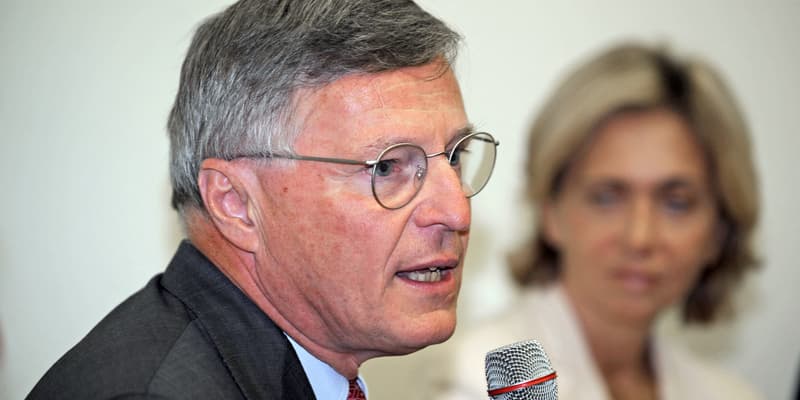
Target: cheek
{"x": 321, "y": 228}
{"x": 690, "y": 248}
{"x": 693, "y": 246}
{"x": 588, "y": 237}
{"x": 299, "y": 223}
{"x": 342, "y": 232}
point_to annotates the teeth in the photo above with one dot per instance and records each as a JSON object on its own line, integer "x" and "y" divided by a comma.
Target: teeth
{"x": 433, "y": 274}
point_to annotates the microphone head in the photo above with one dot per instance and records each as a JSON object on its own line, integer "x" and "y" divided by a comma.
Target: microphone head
{"x": 520, "y": 371}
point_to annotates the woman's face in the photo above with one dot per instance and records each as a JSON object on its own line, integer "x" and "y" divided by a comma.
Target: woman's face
{"x": 636, "y": 219}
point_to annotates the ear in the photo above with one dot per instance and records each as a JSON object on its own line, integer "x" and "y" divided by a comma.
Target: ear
{"x": 224, "y": 191}
{"x": 720, "y": 236}
{"x": 549, "y": 223}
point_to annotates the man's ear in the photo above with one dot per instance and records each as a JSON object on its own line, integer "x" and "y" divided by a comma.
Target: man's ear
{"x": 223, "y": 188}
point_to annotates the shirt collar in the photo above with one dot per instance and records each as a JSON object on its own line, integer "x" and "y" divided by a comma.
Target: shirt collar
{"x": 325, "y": 381}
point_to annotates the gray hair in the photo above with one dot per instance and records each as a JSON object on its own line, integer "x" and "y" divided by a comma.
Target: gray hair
{"x": 245, "y": 64}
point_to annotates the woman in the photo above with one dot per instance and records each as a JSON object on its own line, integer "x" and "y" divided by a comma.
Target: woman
{"x": 641, "y": 173}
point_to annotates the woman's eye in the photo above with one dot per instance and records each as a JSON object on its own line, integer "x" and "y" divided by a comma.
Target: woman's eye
{"x": 678, "y": 204}
{"x": 603, "y": 198}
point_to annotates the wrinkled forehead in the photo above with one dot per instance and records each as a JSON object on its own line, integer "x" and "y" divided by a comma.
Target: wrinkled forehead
{"x": 415, "y": 104}
{"x": 415, "y": 87}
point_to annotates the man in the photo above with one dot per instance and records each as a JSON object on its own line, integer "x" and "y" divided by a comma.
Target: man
{"x": 322, "y": 162}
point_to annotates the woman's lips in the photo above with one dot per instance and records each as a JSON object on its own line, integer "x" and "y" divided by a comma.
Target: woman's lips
{"x": 636, "y": 281}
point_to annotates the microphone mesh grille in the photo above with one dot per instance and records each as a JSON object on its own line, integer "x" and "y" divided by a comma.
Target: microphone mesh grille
{"x": 518, "y": 363}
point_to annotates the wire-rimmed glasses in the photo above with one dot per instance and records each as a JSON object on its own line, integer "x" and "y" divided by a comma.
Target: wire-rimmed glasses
{"x": 400, "y": 170}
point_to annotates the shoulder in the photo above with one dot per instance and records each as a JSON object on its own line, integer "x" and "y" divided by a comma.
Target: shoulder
{"x": 462, "y": 370}
{"x": 687, "y": 376}
{"x": 146, "y": 344}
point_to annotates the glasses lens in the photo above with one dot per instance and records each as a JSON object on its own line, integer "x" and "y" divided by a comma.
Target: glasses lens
{"x": 473, "y": 158}
{"x": 398, "y": 175}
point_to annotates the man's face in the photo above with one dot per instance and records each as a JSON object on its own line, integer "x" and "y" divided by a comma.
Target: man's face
{"x": 334, "y": 263}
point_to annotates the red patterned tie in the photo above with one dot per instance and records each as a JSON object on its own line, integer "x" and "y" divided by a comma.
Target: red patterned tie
{"x": 355, "y": 392}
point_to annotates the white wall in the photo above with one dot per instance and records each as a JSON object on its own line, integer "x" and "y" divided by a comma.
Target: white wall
{"x": 85, "y": 87}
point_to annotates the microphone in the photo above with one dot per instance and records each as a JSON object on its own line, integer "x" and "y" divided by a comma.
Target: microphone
{"x": 520, "y": 371}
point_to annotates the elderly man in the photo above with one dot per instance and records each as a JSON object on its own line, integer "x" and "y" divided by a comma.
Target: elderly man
{"x": 322, "y": 163}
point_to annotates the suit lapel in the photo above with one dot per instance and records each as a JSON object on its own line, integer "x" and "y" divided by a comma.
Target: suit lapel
{"x": 255, "y": 351}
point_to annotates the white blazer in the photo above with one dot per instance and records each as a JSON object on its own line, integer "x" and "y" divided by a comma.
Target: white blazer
{"x": 545, "y": 314}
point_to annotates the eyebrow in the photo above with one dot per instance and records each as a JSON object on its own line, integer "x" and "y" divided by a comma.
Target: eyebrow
{"x": 460, "y": 133}
{"x": 678, "y": 183}
{"x": 382, "y": 143}
{"x": 666, "y": 185}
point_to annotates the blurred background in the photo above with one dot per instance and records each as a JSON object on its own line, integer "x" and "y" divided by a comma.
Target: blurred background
{"x": 86, "y": 85}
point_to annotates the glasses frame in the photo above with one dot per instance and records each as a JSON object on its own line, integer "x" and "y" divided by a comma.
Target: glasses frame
{"x": 373, "y": 163}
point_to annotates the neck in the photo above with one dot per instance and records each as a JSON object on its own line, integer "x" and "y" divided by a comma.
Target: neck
{"x": 620, "y": 350}
{"x": 241, "y": 268}
{"x": 345, "y": 364}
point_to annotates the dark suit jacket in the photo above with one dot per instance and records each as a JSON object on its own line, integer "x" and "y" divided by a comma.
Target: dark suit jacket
{"x": 189, "y": 334}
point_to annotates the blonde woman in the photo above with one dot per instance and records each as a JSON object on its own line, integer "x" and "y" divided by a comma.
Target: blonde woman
{"x": 641, "y": 174}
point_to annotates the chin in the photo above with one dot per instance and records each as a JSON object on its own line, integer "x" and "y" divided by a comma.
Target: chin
{"x": 424, "y": 332}
{"x": 441, "y": 335}
{"x": 637, "y": 313}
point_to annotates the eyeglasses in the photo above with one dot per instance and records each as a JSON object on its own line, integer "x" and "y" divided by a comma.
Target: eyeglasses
{"x": 400, "y": 170}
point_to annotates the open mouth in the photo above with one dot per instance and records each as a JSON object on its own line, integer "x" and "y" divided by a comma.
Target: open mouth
{"x": 430, "y": 274}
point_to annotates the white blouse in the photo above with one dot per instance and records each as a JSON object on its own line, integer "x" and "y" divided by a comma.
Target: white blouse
{"x": 545, "y": 314}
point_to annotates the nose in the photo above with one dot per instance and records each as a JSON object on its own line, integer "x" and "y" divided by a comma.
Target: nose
{"x": 641, "y": 227}
{"x": 441, "y": 200}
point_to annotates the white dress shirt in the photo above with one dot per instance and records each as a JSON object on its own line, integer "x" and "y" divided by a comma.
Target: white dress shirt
{"x": 325, "y": 381}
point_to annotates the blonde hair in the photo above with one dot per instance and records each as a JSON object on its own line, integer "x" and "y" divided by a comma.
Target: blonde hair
{"x": 635, "y": 77}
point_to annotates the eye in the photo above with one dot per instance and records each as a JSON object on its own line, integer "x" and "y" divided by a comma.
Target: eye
{"x": 678, "y": 204}
{"x": 385, "y": 168}
{"x": 604, "y": 197}
{"x": 455, "y": 156}
{"x": 458, "y": 152}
